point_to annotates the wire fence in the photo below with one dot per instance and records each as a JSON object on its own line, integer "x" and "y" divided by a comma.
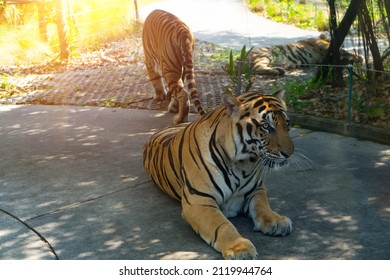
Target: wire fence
{"x": 362, "y": 97}
{"x": 368, "y": 92}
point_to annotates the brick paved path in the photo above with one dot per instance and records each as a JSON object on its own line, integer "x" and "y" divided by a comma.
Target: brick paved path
{"x": 115, "y": 84}
{"x": 112, "y": 87}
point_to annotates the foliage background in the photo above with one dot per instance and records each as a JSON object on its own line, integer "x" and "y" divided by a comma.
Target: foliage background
{"x": 92, "y": 23}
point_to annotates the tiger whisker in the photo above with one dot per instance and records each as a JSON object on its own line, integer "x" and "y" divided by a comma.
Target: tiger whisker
{"x": 302, "y": 162}
{"x": 299, "y": 161}
{"x": 268, "y": 163}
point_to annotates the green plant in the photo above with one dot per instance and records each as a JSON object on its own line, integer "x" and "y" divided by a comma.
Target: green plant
{"x": 372, "y": 108}
{"x": 321, "y": 21}
{"x": 109, "y": 102}
{"x": 358, "y": 102}
{"x": 296, "y": 90}
{"x": 4, "y": 83}
{"x": 240, "y": 72}
{"x": 6, "y": 87}
{"x": 376, "y": 110}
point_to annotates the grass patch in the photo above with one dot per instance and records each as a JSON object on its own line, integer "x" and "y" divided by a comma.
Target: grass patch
{"x": 301, "y": 13}
{"x": 296, "y": 92}
{"x": 7, "y": 89}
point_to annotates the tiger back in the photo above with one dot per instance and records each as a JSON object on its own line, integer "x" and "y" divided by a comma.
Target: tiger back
{"x": 168, "y": 47}
{"x": 215, "y": 166}
{"x": 274, "y": 60}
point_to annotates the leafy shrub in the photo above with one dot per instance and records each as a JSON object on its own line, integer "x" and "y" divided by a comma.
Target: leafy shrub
{"x": 240, "y": 72}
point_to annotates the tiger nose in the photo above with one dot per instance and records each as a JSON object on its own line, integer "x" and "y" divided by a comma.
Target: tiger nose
{"x": 287, "y": 151}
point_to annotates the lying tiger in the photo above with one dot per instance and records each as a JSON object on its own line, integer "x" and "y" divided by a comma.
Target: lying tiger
{"x": 215, "y": 167}
{"x": 274, "y": 60}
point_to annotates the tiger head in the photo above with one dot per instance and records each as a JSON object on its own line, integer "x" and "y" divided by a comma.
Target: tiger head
{"x": 260, "y": 128}
{"x": 347, "y": 57}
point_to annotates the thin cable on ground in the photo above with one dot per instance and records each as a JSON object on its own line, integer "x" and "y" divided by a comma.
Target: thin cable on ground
{"x": 33, "y": 230}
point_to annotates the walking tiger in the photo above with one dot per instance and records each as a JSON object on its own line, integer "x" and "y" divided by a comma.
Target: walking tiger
{"x": 168, "y": 46}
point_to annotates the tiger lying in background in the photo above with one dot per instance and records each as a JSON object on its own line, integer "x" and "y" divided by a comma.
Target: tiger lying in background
{"x": 274, "y": 60}
{"x": 168, "y": 45}
{"x": 215, "y": 166}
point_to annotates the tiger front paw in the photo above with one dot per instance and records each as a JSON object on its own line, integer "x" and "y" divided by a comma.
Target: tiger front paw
{"x": 240, "y": 249}
{"x": 274, "y": 224}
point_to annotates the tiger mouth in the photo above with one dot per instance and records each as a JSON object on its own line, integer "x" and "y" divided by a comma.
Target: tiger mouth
{"x": 271, "y": 161}
{"x": 282, "y": 163}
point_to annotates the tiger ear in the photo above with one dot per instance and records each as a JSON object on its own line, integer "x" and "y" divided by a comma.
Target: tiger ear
{"x": 230, "y": 102}
{"x": 280, "y": 96}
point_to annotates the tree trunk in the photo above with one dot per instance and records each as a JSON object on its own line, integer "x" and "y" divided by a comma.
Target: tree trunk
{"x": 136, "y": 11}
{"x": 334, "y": 51}
{"x": 387, "y": 7}
{"x": 339, "y": 35}
{"x": 369, "y": 35}
{"x": 62, "y": 29}
{"x": 384, "y": 6}
{"x": 42, "y": 16}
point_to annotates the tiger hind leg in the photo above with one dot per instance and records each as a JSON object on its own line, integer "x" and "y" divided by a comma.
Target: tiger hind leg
{"x": 180, "y": 104}
{"x": 271, "y": 71}
{"x": 157, "y": 82}
{"x": 265, "y": 219}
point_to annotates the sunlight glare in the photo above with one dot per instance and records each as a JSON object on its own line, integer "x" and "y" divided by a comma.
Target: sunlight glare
{"x": 384, "y": 159}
